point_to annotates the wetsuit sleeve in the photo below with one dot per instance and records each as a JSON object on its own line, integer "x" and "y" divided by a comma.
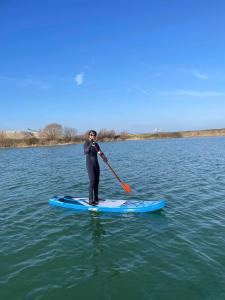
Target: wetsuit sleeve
{"x": 102, "y": 155}
{"x": 87, "y": 147}
{"x": 96, "y": 145}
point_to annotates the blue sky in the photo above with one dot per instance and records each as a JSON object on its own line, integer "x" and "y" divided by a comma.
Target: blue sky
{"x": 123, "y": 65}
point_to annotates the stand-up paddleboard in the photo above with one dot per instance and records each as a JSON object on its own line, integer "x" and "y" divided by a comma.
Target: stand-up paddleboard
{"x": 120, "y": 206}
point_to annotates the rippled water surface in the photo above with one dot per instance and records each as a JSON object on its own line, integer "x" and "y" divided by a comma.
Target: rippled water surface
{"x": 54, "y": 253}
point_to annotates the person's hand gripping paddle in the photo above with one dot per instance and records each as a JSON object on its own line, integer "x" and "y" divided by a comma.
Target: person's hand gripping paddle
{"x": 125, "y": 186}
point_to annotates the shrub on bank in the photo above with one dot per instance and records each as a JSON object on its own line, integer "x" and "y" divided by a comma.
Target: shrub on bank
{"x": 104, "y": 133}
{"x": 31, "y": 141}
{"x": 7, "y": 142}
{"x": 123, "y": 135}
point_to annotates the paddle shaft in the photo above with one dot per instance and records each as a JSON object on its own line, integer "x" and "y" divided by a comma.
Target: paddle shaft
{"x": 125, "y": 186}
{"x": 117, "y": 177}
{"x": 114, "y": 173}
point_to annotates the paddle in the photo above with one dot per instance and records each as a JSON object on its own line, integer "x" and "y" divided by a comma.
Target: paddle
{"x": 125, "y": 186}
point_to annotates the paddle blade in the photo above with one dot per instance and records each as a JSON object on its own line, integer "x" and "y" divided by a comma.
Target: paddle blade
{"x": 126, "y": 187}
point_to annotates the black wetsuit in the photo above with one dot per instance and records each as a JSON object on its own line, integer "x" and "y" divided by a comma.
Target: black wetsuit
{"x": 93, "y": 169}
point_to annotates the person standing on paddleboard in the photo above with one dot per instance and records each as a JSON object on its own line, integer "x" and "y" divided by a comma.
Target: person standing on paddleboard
{"x": 91, "y": 150}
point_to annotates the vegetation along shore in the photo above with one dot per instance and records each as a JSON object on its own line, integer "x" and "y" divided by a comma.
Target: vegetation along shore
{"x": 56, "y": 134}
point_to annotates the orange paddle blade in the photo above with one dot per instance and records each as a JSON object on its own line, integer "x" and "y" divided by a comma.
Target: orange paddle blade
{"x": 126, "y": 187}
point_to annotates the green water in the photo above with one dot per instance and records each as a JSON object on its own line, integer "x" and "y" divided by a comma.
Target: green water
{"x": 53, "y": 253}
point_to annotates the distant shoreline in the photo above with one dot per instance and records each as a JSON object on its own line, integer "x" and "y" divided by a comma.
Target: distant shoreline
{"x": 20, "y": 143}
{"x": 180, "y": 134}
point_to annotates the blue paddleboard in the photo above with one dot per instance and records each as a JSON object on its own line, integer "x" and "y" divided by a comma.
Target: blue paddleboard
{"x": 119, "y": 206}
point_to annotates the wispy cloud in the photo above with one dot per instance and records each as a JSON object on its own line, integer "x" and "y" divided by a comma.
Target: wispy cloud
{"x": 79, "y": 78}
{"x": 199, "y": 75}
{"x": 146, "y": 93}
{"x": 24, "y": 82}
{"x": 193, "y": 93}
{"x": 194, "y": 72}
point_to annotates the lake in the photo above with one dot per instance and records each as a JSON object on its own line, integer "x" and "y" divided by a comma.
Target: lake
{"x": 54, "y": 253}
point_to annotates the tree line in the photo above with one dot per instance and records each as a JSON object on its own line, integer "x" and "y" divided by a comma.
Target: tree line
{"x": 53, "y": 134}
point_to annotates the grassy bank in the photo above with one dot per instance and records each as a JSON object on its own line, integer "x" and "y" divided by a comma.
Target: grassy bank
{"x": 178, "y": 134}
{"x": 30, "y": 140}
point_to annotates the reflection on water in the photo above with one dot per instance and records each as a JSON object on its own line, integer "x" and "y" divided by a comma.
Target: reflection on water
{"x": 96, "y": 230}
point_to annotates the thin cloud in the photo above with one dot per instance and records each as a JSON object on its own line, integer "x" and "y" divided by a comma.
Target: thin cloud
{"x": 193, "y": 93}
{"x": 199, "y": 75}
{"x": 146, "y": 93}
{"x": 79, "y": 78}
{"x": 24, "y": 82}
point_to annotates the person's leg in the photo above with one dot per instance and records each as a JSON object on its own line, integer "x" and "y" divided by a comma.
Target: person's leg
{"x": 91, "y": 189}
{"x": 91, "y": 183}
{"x": 96, "y": 184}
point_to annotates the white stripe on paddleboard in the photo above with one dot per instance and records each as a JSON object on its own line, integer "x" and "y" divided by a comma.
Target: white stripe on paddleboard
{"x": 111, "y": 203}
{"x": 105, "y": 203}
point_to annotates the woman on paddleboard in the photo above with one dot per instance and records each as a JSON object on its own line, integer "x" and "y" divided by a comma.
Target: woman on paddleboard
{"x": 91, "y": 150}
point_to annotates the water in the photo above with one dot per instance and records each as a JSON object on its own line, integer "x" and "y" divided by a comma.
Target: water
{"x": 51, "y": 253}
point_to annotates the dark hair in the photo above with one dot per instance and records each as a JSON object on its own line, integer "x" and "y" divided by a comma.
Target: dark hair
{"x": 93, "y": 132}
